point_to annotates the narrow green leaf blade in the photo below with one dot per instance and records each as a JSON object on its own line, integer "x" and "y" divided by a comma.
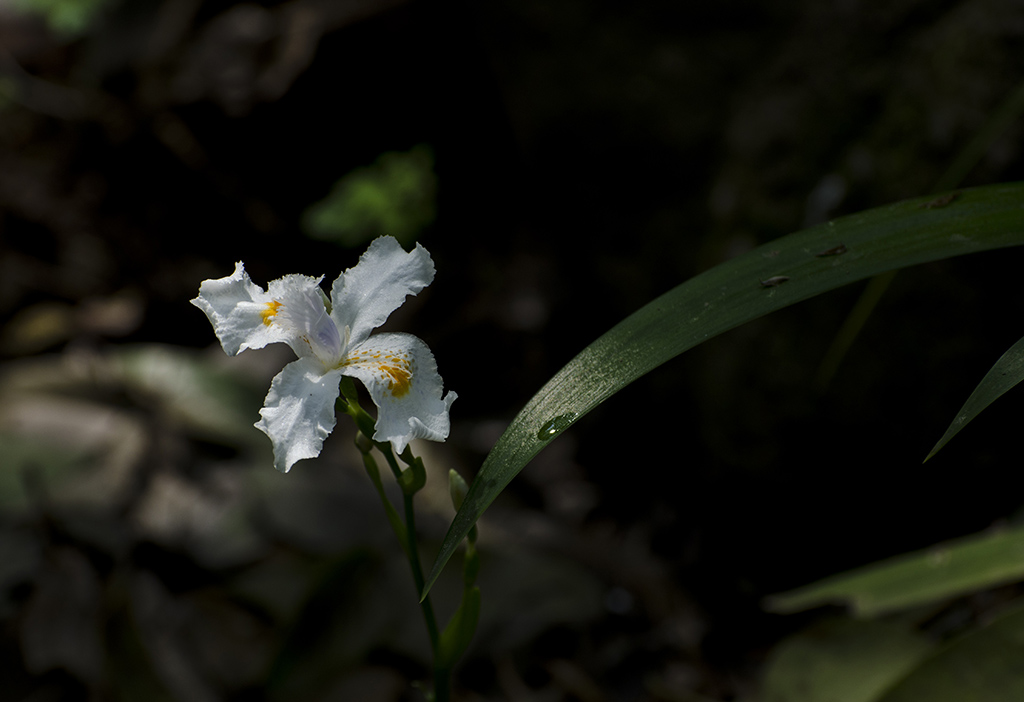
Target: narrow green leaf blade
{"x": 943, "y": 571}
{"x": 1007, "y": 372}
{"x": 765, "y": 279}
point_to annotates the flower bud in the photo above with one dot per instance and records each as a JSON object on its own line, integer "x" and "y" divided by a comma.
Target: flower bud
{"x": 457, "y": 488}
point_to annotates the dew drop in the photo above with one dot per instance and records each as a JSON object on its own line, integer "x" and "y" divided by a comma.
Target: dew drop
{"x": 555, "y": 426}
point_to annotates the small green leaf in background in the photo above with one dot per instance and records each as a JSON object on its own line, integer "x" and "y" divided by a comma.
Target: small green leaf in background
{"x": 986, "y": 665}
{"x": 394, "y": 196}
{"x": 1007, "y": 372}
{"x": 941, "y": 572}
{"x": 843, "y": 660}
{"x": 69, "y": 17}
{"x": 768, "y": 278}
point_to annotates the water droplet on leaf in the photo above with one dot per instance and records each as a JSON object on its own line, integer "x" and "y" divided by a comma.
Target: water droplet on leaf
{"x": 553, "y": 427}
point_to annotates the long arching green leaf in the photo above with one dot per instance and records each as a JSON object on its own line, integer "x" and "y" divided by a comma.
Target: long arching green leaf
{"x": 1007, "y": 372}
{"x": 796, "y": 267}
{"x": 940, "y": 572}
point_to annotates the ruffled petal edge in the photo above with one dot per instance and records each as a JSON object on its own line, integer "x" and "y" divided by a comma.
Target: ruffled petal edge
{"x": 364, "y": 296}
{"x": 236, "y": 307}
{"x": 298, "y": 413}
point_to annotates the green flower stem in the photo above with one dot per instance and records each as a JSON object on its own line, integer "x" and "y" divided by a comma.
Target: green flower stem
{"x": 411, "y": 481}
{"x": 349, "y": 403}
{"x": 396, "y": 470}
{"x": 396, "y": 521}
{"x": 442, "y": 673}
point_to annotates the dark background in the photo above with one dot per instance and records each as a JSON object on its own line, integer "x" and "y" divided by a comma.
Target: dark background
{"x": 589, "y": 156}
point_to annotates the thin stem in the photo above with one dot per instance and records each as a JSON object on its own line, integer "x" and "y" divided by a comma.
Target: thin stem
{"x": 442, "y": 673}
{"x": 389, "y": 456}
{"x": 410, "y": 480}
{"x": 417, "y": 569}
{"x": 396, "y": 522}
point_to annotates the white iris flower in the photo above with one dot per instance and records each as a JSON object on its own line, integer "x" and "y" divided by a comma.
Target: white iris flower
{"x": 331, "y": 339}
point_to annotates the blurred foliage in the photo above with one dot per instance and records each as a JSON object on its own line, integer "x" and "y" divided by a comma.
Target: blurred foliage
{"x": 876, "y": 661}
{"x": 942, "y": 572}
{"x": 66, "y": 17}
{"x": 393, "y": 196}
{"x": 843, "y": 660}
{"x": 925, "y": 646}
{"x": 981, "y": 665}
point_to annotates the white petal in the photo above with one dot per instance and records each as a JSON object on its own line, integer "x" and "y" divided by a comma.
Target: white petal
{"x": 299, "y": 411}
{"x": 298, "y": 310}
{"x": 235, "y": 307}
{"x": 401, "y": 375}
{"x": 362, "y": 297}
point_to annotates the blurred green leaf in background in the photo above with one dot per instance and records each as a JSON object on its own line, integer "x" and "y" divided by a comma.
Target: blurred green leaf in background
{"x": 925, "y": 577}
{"x": 67, "y": 17}
{"x": 842, "y": 660}
{"x": 394, "y": 196}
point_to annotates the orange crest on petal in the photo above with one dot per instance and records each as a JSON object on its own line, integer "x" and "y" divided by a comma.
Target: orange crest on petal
{"x": 393, "y": 370}
{"x": 399, "y": 375}
{"x": 270, "y": 311}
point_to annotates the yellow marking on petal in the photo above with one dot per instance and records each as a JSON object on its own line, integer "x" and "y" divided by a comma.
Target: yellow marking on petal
{"x": 394, "y": 372}
{"x": 270, "y": 311}
{"x": 399, "y": 378}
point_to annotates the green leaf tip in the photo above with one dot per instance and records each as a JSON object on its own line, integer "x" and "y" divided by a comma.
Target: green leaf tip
{"x": 1006, "y": 373}
{"x": 855, "y": 247}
